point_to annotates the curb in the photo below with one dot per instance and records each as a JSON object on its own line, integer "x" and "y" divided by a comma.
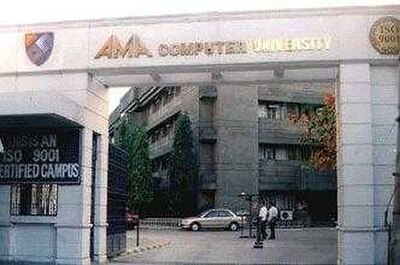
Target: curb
{"x": 137, "y": 250}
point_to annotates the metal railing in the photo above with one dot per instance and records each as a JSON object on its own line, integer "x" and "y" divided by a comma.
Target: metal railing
{"x": 163, "y": 111}
{"x": 160, "y": 223}
{"x": 290, "y": 174}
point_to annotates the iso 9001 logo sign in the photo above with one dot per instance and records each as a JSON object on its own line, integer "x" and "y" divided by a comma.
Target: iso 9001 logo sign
{"x": 385, "y": 35}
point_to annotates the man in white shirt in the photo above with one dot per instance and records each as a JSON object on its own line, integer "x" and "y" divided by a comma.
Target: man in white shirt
{"x": 272, "y": 219}
{"x": 263, "y": 215}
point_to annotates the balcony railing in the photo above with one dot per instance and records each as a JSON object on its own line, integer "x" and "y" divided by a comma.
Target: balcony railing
{"x": 290, "y": 175}
{"x": 161, "y": 147}
{"x": 273, "y": 131}
{"x": 207, "y": 132}
{"x": 301, "y": 93}
{"x": 313, "y": 180}
{"x": 279, "y": 174}
{"x": 167, "y": 110}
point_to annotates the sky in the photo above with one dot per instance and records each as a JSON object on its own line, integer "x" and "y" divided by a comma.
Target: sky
{"x": 26, "y": 12}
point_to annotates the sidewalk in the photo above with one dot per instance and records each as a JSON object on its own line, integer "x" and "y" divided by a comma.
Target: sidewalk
{"x": 147, "y": 241}
{"x": 292, "y": 246}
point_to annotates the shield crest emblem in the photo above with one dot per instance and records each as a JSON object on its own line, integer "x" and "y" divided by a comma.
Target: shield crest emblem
{"x": 39, "y": 46}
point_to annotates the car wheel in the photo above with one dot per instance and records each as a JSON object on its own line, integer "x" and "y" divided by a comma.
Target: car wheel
{"x": 195, "y": 227}
{"x": 233, "y": 226}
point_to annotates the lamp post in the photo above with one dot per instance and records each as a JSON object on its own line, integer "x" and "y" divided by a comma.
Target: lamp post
{"x": 250, "y": 199}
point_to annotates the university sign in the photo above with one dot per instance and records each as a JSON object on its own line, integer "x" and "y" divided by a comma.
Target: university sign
{"x": 40, "y": 157}
{"x": 114, "y": 48}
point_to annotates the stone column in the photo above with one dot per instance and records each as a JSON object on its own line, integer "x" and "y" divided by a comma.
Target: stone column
{"x": 100, "y": 205}
{"x": 73, "y": 219}
{"x": 385, "y": 91}
{"x": 355, "y": 166}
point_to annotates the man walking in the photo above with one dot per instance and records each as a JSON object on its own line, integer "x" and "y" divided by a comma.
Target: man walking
{"x": 263, "y": 220}
{"x": 272, "y": 219}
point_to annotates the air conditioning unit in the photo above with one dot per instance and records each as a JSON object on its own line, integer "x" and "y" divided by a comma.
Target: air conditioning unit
{"x": 286, "y": 215}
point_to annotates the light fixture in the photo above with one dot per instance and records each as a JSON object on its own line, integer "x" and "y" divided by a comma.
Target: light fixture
{"x": 1, "y": 147}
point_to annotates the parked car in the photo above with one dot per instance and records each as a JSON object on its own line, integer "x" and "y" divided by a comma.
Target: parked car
{"x": 246, "y": 217}
{"x": 243, "y": 213}
{"x": 132, "y": 220}
{"x": 213, "y": 218}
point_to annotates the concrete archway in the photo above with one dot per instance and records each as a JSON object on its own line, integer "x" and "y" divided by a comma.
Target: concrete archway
{"x": 69, "y": 88}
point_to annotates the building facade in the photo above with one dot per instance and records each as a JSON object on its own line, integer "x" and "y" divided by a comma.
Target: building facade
{"x": 236, "y": 75}
{"x": 254, "y": 148}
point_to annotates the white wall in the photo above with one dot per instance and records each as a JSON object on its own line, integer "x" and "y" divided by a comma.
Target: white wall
{"x": 366, "y": 160}
{"x": 77, "y": 43}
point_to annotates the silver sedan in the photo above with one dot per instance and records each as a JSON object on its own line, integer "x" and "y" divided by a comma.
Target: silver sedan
{"x": 213, "y": 218}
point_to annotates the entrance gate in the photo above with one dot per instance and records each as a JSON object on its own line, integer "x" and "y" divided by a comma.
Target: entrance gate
{"x": 116, "y": 201}
{"x": 230, "y": 50}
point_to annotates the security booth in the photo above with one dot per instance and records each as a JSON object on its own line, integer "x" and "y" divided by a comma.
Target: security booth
{"x": 53, "y": 171}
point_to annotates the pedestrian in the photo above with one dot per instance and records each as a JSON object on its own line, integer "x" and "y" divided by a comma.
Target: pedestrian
{"x": 272, "y": 219}
{"x": 263, "y": 216}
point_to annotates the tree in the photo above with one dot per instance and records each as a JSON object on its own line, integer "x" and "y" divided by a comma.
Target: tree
{"x": 133, "y": 139}
{"x": 318, "y": 130}
{"x": 183, "y": 168}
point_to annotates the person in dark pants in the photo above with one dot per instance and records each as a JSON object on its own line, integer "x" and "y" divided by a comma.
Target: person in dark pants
{"x": 263, "y": 220}
{"x": 272, "y": 219}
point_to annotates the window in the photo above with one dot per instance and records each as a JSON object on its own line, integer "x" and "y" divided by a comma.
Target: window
{"x": 225, "y": 214}
{"x": 269, "y": 153}
{"x": 284, "y": 152}
{"x": 212, "y": 214}
{"x": 281, "y": 153}
{"x": 266, "y": 152}
{"x": 168, "y": 94}
{"x": 177, "y": 90}
{"x": 34, "y": 199}
{"x": 272, "y": 111}
{"x": 156, "y": 105}
{"x": 293, "y": 110}
{"x": 305, "y": 153}
{"x": 293, "y": 153}
{"x": 262, "y": 111}
{"x": 281, "y": 111}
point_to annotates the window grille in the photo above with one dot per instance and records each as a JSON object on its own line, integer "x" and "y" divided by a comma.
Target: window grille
{"x": 34, "y": 199}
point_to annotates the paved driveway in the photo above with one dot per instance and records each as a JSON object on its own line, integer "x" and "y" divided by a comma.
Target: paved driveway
{"x": 292, "y": 246}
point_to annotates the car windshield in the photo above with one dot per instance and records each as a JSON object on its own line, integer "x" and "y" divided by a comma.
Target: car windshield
{"x": 201, "y": 214}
